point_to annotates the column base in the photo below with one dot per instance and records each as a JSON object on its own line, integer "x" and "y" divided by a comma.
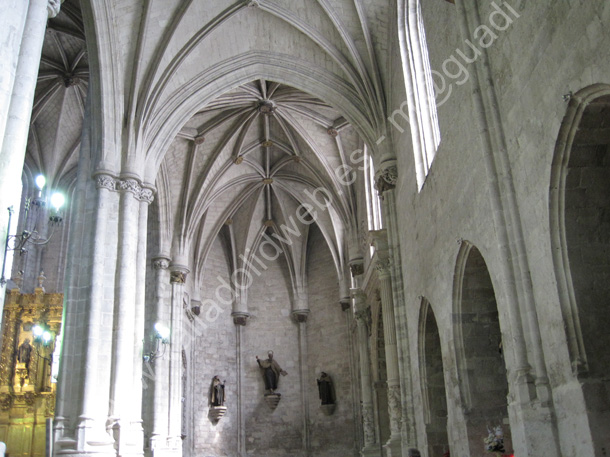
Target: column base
{"x": 165, "y": 447}
{"x": 370, "y": 451}
{"x": 91, "y": 440}
{"x": 393, "y": 448}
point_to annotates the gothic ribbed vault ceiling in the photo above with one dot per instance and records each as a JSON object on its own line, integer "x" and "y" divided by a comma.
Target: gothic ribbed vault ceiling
{"x": 241, "y": 167}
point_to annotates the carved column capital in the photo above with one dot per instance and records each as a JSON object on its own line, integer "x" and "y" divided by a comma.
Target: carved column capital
{"x": 345, "y": 303}
{"x": 386, "y": 177}
{"x": 146, "y": 195}
{"x": 129, "y": 185}
{"x": 300, "y": 315}
{"x": 177, "y": 274}
{"x": 383, "y": 265}
{"x": 356, "y": 267}
{"x": 240, "y": 318}
{"x": 53, "y": 8}
{"x": 105, "y": 181}
{"x": 160, "y": 263}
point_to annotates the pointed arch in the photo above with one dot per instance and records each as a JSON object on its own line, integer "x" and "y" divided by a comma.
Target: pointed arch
{"x": 580, "y": 241}
{"x": 479, "y": 349}
{"x": 434, "y": 394}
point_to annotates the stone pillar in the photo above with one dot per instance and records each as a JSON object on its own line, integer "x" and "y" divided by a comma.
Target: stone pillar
{"x": 91, "y": 434}
{"x": 123, "y": 411}
{"x": 382, "y": 264}
{"x": 16, "y": 129}
{"x": 300, "y": 317}
{"x": 178, "y": 275}
{"x": 363, "y": 316}
{"x": 145, "y": 198}
{"x": 240, "y": 320}
{"x": 160, "y": 368}
{"x": 385, "y": 182}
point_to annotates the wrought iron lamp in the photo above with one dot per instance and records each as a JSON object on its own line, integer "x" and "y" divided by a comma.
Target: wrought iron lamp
{"x": 21, "y": 240}
{"x": 161, "y": 341}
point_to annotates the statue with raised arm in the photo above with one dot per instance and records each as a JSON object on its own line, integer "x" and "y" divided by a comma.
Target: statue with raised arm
{"x": 271, "y": 372}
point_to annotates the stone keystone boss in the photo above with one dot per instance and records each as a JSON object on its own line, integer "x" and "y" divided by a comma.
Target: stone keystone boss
{"x": 271, "y": 372}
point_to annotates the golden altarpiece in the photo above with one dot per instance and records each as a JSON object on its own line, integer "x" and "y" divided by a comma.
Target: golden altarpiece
{"x": 30, "y": 326}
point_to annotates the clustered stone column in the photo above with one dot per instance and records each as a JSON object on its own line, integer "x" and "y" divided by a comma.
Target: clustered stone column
{"x": 300, "y": 317}
{"x": 240, "y": 319}
{"x": 382, "y": 265}
{"x": 15, "y": 131}
{"x": 107, "y": 376}
{"x": 123, "y": 412}
{"x": 160, "y": 369}
{"x": 362, "y": 315}
{"x": 92, "y": 415}
{"x": 145, "y": 197}
{"x": 178, "y": 275}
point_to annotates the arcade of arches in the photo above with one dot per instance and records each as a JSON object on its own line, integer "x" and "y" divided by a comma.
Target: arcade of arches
{"x": 407, "y": 202}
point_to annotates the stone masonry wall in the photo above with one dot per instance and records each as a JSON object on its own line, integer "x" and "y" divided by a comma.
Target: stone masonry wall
{"x": 328, "y": 348}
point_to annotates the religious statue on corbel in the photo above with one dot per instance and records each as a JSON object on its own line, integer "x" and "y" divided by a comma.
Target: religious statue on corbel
{"x": 271, "y": 372}
{"x": 22, "y": 366}
{"x": 326, "y": 392}
{"x": 216, "y": 399}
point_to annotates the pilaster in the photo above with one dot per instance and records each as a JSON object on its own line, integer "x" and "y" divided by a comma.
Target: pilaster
{"x": 382, "y": 265}
{"x": 160, "y": 409}
{"x": 362, "y": 316}
{"x": 178, "y": 275}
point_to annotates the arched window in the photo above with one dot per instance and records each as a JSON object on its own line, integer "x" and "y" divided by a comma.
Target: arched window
{"x": 421, "y": 102}
{"x": 373, "y": 202}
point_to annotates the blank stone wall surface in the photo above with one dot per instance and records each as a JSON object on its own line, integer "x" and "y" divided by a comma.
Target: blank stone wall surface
{"x": 328, "y": 350}
{"x": 214, "y": 354}
{"x": 278, "y": 432}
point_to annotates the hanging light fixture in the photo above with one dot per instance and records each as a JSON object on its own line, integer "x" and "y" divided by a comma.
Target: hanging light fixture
{"x": 161, "y": 336}
{"x": 19, "y": 242}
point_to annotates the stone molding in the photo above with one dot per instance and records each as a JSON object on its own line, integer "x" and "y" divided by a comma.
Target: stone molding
{"x": 345, "y": 303}
{"x": 160, "y": 263}
{"x": 386, "y": 178}
{"x": 368, "y": 425}
{"x": 104, "y": 181}
{"x": 382, "y": 265}
{"x": 356, "y": 267}
{"x": 177, "y": 276}
{"x": 142, "y": 192}
{"x": 300, "y": 315}
{"x": 240, "y": 318}
{"x": 394, "y": 408}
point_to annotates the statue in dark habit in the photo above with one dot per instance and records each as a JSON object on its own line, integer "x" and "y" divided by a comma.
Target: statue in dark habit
{"x": 217, "y": 392}
{"x": 325, "y": 389}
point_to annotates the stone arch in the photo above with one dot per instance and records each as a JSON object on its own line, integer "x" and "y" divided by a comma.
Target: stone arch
{"x": 238, "y": 70}
{"x": 434, "y": 395}
{"x": 580, "y": 241}
{"x": 479, "y": 350}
